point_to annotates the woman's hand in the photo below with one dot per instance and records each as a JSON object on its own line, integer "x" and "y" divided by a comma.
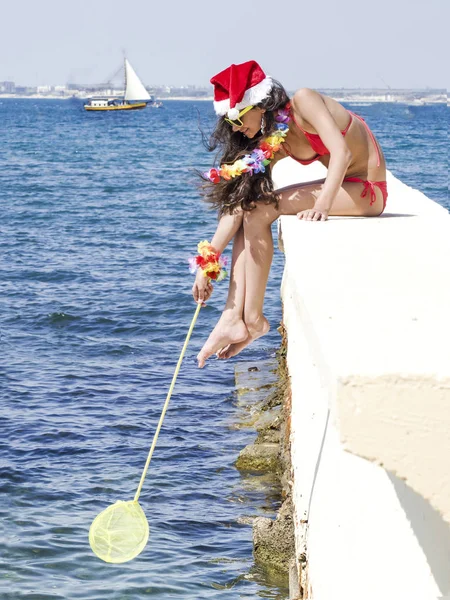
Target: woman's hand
{"x": 202, "y": 288}
{"x": 313, "y": 214}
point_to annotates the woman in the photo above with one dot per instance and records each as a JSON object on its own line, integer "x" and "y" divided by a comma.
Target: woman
{"x": 258, "y": 125}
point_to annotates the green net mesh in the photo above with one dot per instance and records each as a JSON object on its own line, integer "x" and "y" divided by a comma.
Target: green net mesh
{"x": 120, "y": 532}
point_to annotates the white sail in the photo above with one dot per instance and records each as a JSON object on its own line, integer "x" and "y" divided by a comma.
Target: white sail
{"x": 134, "y": 90}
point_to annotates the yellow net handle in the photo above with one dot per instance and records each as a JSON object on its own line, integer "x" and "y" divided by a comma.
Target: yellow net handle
{"x": 166, "y": 404}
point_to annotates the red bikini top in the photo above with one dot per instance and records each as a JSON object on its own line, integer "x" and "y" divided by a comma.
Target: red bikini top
{"x": 314, "y": 139}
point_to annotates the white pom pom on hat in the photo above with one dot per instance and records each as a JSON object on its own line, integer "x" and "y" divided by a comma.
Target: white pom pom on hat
{"x": 233, "y": 113}
{"x": 239, "y": 86}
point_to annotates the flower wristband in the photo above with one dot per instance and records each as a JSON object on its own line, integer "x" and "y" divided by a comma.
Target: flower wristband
{"x": 209, "y": 261}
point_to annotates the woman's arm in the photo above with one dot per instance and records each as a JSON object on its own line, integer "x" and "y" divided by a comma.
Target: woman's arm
{"x": 226, "y": 230}
{"x": 309, "y": 105}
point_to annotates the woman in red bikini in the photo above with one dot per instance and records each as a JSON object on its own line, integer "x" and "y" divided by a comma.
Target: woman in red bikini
{"x": 259, "y": 125}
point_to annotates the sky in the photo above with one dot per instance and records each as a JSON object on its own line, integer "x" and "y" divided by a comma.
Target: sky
{"x": 317, "y": 44}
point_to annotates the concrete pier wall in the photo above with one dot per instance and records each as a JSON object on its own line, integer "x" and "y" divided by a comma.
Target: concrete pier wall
{"x": 366, "y": 306}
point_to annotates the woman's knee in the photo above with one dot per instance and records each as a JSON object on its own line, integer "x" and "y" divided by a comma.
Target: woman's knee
{"x": 260, "y": 214}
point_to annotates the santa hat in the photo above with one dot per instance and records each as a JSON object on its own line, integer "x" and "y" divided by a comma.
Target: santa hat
{"x": 239, "y": 86}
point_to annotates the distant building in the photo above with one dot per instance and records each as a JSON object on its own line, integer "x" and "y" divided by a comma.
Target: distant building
{"x": 44, "y": 89}
{"x": 25, "y": 90}
{"x": 7, "y": 87}
{"x": 190, "y": 91}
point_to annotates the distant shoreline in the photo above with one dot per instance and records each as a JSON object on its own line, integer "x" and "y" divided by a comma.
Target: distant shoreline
{"x": 350, "y": 98}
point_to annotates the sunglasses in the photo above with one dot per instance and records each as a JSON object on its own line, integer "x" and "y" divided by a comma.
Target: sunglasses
{"x": 237, "y": 122}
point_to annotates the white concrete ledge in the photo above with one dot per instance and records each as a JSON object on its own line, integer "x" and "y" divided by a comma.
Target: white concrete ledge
{"x": 367, "y": 312}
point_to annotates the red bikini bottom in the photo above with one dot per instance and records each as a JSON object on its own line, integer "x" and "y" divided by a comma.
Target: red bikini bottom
{"x": 371, "y": 185}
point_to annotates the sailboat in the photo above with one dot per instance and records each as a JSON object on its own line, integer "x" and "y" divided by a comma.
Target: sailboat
{"x": 135, "y": 97}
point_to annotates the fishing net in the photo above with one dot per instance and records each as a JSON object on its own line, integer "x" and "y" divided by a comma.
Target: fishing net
{"x": 120, "y": 532}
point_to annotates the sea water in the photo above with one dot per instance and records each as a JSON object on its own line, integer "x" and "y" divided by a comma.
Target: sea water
{"x": 99, "y": 214}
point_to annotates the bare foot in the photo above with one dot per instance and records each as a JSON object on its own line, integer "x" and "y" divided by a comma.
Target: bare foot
{"x": 221, "y": 353}
{"x": 228, "y": 331}
{"x": 256, "y": 331}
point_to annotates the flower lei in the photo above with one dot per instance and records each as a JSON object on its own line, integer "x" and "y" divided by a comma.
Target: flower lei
{"x": 260, "y": 157}
{"x": 209, "y": 261}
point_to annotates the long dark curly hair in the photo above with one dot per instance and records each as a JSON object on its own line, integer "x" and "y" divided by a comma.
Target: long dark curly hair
{"x": 245, "y": 190}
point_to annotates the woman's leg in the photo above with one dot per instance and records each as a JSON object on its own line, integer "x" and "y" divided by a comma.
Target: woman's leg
{"x": 231, "y": 328}
{"x": 259, "y": 244}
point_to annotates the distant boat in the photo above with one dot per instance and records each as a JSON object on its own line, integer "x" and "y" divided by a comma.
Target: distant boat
{"x": 135, "y": 97}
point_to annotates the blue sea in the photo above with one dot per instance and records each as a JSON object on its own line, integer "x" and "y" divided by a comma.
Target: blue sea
{"x": 99, "y": 214}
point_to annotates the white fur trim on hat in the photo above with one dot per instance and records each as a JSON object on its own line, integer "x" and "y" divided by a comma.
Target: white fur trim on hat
{"x": 252, "y": 96}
